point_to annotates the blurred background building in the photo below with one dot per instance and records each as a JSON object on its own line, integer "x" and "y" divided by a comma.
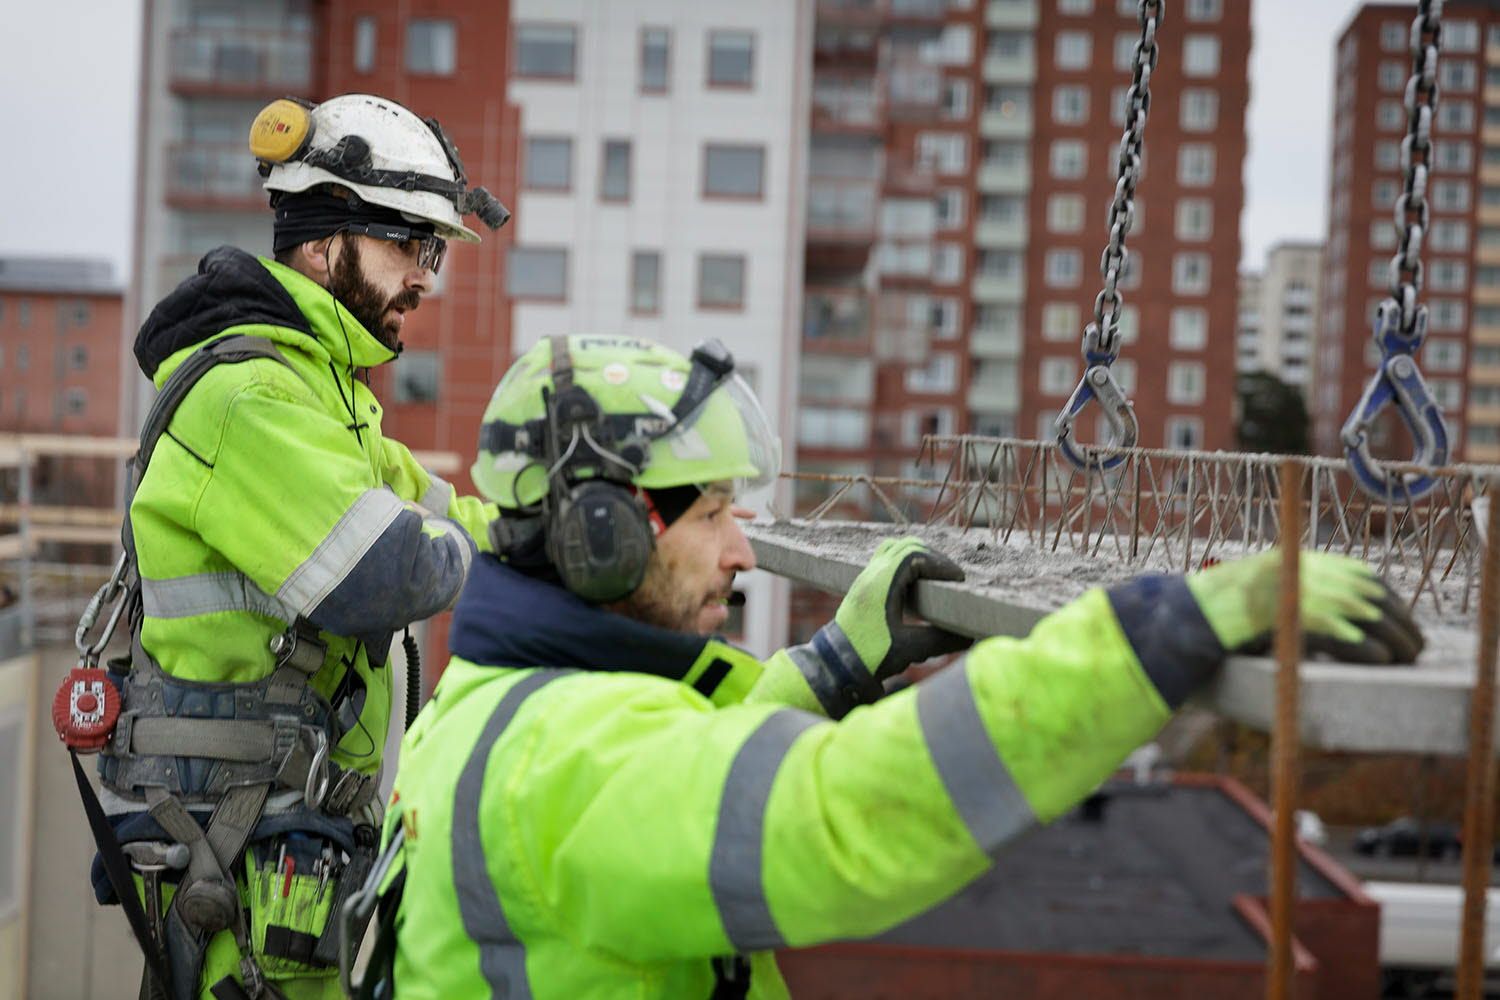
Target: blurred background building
{"x": 1279, "y": 314}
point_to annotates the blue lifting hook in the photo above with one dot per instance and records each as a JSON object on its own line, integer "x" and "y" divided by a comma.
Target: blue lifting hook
{"x": 1099, "y": 383}
{"x": 1397, "y": 381}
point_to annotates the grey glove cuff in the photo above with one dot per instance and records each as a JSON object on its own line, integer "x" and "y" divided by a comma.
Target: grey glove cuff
{"x": 834, "y": 671}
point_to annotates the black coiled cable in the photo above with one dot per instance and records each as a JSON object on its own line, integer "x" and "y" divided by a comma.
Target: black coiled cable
{"x": 413, "y": 676}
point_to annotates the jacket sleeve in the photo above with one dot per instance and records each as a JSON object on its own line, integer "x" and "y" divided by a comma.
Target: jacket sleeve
{"x": 435, "y": 495}
{"x": 288, "y": 502}
{"x": 671, "y": 830}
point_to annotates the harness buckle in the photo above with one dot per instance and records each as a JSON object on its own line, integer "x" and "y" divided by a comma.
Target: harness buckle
{"x": 1397, "y": 382}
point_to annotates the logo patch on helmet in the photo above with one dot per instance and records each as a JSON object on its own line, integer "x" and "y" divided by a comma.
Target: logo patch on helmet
{"x": 615, "y": 374}
{"x": 673, "y": 379}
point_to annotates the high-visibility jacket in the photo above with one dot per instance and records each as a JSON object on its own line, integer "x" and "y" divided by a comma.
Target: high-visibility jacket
{"x": 607, "y": 825}
{"x": 274, "y": 495}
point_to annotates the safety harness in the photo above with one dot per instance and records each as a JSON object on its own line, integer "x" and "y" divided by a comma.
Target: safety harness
{"x": 203, "y": 759}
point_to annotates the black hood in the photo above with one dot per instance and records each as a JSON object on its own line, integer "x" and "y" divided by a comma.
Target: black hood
{"x": 231, "y": 288}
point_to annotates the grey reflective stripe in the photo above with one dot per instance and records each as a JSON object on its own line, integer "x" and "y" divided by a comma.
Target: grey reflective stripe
{"x": 502, "y": 959}
{"x": 461, "y": 539}
{"x": 734, "y": 870}
{"x": 438, "y": 496}
{"x": 816, "y": 673}
{"x": 208, "y": 593}
{"x": 977, "y": 781}
{"x": 338, "y": 553}
{"x": 845, "y": 650}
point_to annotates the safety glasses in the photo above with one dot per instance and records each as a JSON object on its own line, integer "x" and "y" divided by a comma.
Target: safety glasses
{"x": 430, "y": 249}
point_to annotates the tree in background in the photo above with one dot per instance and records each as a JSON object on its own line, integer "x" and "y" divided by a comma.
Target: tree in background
{"x": 1272, "y": 415}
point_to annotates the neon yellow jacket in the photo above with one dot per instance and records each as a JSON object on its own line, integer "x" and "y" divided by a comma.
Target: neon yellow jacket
{"x": 606, "y": 830}
{"x": 273, "y": 495}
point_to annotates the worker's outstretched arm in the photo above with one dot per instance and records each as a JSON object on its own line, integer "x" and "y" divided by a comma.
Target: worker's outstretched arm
{"x": 288, "y": 502}
{"x": 435, "y": 495}
{"x": 686, "y": 831}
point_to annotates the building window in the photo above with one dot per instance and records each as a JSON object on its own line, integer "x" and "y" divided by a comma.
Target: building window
{"x": 955, "y": 100}
{"x": 1390, "y": 116}
{"x": 1460, "y": 36}
{"x": 1447, "y": 275}
{"x": 1059, "y": 376}
{"x": 1205, "y": 10}
{"x": 1383, "y": 192}
{"x": 948, "y": 206}
{"x": 23, "y": 357}
{"x": 614, "y": 179}
{"x": 1391, "y": 76}
{"x": 78, "y": 358}
{"x": 1070, "y": 105}
{"x": 416, "y": 378}
{"x": 1064, "y": 268}
{"x": 431, "y": 46}
{"x": 1074, "y": 6}
{"x": 1072, "y": 50}
{"x": 1195, "y": 164}
{"x": 1387, "y": 155}
{"x": 549, "y": 163}
{"x": 999, "y": 263}
{"x": 944, "y": 318}
{"x": 947, "y": 263}
{"x": 1068, "y": 158}
{"x": 1195, "y": 219}
{"x": 1060, "y": 321}
{"x": 1450, "y": 196}
{"x": 656, "y": 60}
{"x": 1457, "y": 75}
{"x": 1065, "y": 213}
{"x": 1190, "y": 274}
{"x": 645, "y": 282}
{"x": 1393, "y": 36}
{"x": 731, "y": 58}
{"x": 945, "y": 152}
{"x": 1382, "y": 235}
{"x": 1447, "y": 315}
{"x": 940, "y": 375}
{"x": 1185, "y": 433}
{"x": 733, "y": 171}
{"x": 1452, "y": 116}
{"x": 721, "y": 281}
{"x": 546, "y": 51}
{"x": 537, "y": 273}
{"x": 1200, "y": 56}
{"x": 1125, "y": 43}
{"x": 1199, "y": 110}
{"x": 1444, "y": 356}
{"x": 364, "y": 44}
{"x": 1189, "y": 329}
{"x": 1455, "y": 156}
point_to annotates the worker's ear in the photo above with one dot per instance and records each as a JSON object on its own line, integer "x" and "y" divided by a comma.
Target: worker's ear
{"x": 315, "y": 258}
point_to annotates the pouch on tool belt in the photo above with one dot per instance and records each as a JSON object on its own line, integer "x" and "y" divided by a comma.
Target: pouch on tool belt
{"x": 290, "y": 898}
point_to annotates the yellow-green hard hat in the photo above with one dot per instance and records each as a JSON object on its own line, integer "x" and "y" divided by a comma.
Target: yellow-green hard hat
{"x": 635, "y": 383}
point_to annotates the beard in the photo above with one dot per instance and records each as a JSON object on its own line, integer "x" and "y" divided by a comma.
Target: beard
{"x": 367, "y": 303}
{"x": 661, "y": 602}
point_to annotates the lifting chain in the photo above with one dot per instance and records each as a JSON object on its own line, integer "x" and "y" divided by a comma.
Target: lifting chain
{"x": 1101, "y": 338}
{"x": 1400, "y": 323}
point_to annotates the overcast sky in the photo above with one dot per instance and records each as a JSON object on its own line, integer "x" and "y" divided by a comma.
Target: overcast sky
{"x": 72, "y": 75}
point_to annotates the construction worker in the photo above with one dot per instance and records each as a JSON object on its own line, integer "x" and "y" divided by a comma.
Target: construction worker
{"x": 602, "y": 799}
{"x": 281, "y": 541}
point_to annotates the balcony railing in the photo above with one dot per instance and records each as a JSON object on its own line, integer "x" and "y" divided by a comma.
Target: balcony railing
{"x": 845, "y": 106}
{"x": 840, "y": 210}
{"x": 213, "y": 174}
{"x": 836, "y": 318}
{"x": 241, "y": 61}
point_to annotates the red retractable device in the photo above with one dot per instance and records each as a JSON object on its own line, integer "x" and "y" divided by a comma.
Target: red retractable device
{"x": 85, "y": 708}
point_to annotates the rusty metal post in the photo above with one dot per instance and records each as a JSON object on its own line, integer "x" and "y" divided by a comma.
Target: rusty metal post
{"x": 1280, "y": 962}
{"x": 1479, "y": 788}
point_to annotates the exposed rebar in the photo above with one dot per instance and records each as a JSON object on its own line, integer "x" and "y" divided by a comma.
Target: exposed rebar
{"x": 1281, "y": 962}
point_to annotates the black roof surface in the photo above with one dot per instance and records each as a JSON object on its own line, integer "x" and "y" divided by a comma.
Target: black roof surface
{"x": 1155, "y": 877}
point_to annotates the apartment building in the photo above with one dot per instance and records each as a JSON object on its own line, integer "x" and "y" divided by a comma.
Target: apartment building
{"x": 1279, "y": 314}
{"x": 1461, "y": 250}
{"x": 60, "y": 349}
{"x": 1180, "y": 288}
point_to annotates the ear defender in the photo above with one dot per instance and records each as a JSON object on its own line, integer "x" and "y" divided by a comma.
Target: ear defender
{"x": 599, "y": 540}
{"x": 282, "y": 131}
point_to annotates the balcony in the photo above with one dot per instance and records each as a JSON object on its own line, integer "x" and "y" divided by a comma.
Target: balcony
{"x": 836, "y": 321}
{"x": 854, "y": 13}
{"x": 842, "y": 47}
{"x": 917, "y": 10}
{"x": 1008, "y": 233}
{"x": 1008, "y": 177}
{"x": 1019, "y": 68}
{"x": 1005, "y": 122}
{"x": 240, "y": 62}
{"x": 1010, "y": 14}
{"x": 840, "y": 211}
{"x": 989, "y": 288}
{"x": 845, "y": 108}
{"x": 999, "y": 345}
{"x": 213, "y": 175}
{"x": 835, "y": 428}
{"x": 991, "y": 395}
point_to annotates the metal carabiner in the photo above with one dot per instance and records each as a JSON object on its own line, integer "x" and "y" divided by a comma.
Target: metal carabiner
{"x": 109, "y": 592}
{"x": 1099, "y": 383}
{"x": 1398, "y": 381}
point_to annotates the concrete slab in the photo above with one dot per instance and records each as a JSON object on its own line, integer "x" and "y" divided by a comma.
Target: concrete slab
{"x": 1418, "y": 709}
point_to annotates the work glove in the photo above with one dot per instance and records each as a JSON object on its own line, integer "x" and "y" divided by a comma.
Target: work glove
{"x": 870, "y": 616}
{"x": 1347, "y": 612}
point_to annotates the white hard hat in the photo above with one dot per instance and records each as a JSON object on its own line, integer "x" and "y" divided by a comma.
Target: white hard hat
{"x": 379, "y": 150}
